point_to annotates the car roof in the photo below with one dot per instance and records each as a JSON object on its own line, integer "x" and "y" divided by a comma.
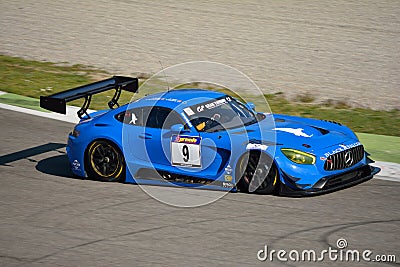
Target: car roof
{"x": 174, "y": 98}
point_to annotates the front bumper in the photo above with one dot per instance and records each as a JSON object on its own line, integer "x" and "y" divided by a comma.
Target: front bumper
{"x": 332, "y": 183}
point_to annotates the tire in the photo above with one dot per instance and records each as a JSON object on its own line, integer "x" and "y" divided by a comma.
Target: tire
{"x": 259, "y": 163}
{"x": 105, "y": 162}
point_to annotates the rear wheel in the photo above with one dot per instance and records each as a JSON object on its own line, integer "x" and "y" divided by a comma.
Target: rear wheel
{"x": 105, "y": 162}
{"x": 258, "y": 174}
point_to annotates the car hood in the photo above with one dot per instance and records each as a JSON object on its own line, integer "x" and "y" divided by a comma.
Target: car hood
{"x": 303, "y": 133}
{"x": 308, "y": 135}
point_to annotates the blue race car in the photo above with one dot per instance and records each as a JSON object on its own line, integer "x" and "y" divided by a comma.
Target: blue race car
{"x": 206, "y": 139}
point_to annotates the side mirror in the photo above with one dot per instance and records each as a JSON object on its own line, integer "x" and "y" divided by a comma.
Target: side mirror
{"x": 177, "y": 128}
{"x": 251, "y": 106}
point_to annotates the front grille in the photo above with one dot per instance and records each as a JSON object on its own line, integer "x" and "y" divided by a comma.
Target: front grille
{"x": 344, "y": 159}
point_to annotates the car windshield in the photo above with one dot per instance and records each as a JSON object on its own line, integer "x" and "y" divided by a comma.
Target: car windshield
{"x": 219, "y": 114}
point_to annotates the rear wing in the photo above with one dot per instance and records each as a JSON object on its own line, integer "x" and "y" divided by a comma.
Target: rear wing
{"x": 58, "y": 102}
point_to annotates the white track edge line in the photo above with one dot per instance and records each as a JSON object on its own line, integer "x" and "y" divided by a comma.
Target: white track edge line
{"x": 390, "y": 171}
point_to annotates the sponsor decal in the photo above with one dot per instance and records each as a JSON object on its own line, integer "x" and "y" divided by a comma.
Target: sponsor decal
{"x": 211, "y": 104}
{"x": 251, "y": 146}
{"x": 164, "y": 99}
{"x": 215, "y": 104}
{"x": 185, "y": 151}
{"x": 228, "y": 178}
{"x": 295, "y": 131}
{"x": 173, "y": 100}
{"x": 133, "y": 119}
{"x": 186, "y": 139}
{"x": 228, "y": 169}
{"x": 188, "y": 111}
{"x": 341, "y": 148}
{"x": 227, "y": 184}
{"x": 200, "y": 108}
{"x": 76, "y": 165}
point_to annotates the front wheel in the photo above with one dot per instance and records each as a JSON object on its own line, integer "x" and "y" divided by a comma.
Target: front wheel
{"x": 105, "y": 162}
{"x": 258, "y": 174}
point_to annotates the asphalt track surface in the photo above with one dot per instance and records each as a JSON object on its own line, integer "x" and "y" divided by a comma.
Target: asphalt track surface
{"x": 50, "y": 218}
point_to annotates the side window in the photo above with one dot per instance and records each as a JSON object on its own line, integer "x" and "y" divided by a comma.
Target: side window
{"x": 132, "y": 116}
{"x": 160, "y": 117}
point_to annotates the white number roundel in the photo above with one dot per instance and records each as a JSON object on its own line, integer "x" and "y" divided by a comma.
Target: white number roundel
{"x": 185, "y": 150}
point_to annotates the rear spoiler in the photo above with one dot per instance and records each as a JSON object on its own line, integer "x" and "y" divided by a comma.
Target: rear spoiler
{"x": 58, "y": 102}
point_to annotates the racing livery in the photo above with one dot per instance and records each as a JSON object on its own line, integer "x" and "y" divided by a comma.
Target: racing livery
{"x": 206, "y": 139}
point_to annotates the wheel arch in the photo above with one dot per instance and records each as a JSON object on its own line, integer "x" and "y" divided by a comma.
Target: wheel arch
{"x": 106, "y": 139}
{"x": 249, "y": 153}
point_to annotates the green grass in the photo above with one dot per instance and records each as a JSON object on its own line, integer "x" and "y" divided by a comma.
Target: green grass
{"x": 21, "y": 101}
{"x": 381, "y": 147}
{"x": 27, "y": 80}
{"x": 358, "y": 119}
{"x": 33, "y": 79}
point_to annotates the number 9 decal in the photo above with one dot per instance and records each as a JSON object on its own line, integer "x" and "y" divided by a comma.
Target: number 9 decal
{"x": 185, "y": 151}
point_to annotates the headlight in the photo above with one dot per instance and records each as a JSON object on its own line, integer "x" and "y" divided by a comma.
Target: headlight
{"x": 297, "y": 156}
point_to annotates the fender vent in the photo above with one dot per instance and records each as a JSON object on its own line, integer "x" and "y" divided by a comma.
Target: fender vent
{"x": 334, "y": 122}
{"x": 322, "y": 131}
